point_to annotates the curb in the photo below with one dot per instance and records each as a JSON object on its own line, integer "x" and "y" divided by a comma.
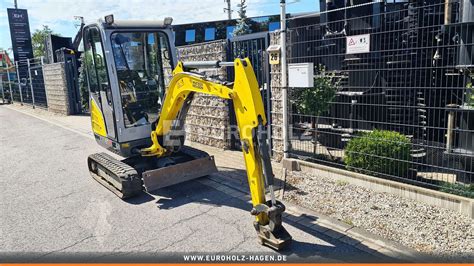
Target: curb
{"x": 333, "y": 228}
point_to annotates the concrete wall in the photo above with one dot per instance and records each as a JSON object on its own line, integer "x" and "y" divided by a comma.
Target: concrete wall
{"x": 56, "y": 88}
{"x": 208, "y": 117}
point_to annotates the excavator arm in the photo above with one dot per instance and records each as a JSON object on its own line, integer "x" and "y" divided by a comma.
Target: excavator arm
{"x": 251, "y": 122}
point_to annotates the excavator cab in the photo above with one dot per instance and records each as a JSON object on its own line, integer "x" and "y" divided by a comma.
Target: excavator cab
{"x": 129, "y": 65}
{"x": 139, "y": 98}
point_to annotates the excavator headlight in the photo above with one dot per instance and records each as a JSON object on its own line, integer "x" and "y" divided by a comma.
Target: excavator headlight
{"x": 109, "y": 19}
{"x": 168, "y": 21}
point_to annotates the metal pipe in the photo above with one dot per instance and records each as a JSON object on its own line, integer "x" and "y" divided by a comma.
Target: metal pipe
{"x": 447, "y": 12}
{"x": 207, "y": 64}
{"x": 31, "y": 84}
{"x": 228, "y": 9}
{"x": 284, "y": 76}
{"x": 449, "y": 134}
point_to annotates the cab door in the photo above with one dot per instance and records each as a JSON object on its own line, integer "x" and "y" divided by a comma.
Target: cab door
{"x": 101, "y": 99}
{"x": 143, "y": 64}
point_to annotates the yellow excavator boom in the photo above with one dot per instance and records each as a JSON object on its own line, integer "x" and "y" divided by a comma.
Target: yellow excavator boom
{"x": 251, "y": 122}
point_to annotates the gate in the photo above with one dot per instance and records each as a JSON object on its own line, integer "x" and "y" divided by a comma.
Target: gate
{"x": 37, "y": 83}
{"x": 254, "y": 47}
{"x": 28, "y": 86}
{"x": 71, "y": 73}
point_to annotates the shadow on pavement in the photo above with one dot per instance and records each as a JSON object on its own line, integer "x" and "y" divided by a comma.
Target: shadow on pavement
{"x": 196, "y": 192}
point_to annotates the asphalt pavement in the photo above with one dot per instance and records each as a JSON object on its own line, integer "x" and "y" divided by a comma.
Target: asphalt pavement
{"x": 52, "y": 210}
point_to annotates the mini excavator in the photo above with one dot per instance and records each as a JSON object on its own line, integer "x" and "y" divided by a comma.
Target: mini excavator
{"x": 139, "y": 98}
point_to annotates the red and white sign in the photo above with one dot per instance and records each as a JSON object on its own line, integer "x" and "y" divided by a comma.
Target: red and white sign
{"x": 358, "y": 44}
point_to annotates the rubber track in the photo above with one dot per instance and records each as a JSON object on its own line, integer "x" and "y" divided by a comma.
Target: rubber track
{"x": 126, "y": 175}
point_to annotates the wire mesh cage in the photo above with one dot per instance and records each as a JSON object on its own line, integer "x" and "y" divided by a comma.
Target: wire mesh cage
{"x": 397, "y": 80}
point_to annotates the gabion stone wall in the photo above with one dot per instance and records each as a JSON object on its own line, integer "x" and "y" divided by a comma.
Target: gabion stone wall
{"x": 277, "y": 107}
{"x": 208, "y": 117}
{"x": 56, "y": 88}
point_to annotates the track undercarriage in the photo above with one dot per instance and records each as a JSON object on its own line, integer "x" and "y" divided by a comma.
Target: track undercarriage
{"x": 129, "y": 177}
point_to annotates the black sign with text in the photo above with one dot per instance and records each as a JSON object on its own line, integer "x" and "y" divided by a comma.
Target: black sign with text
{"x": 20, "y": 33}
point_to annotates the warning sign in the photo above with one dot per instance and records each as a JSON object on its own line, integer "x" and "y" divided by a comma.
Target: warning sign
{"x": 358, "y": 44}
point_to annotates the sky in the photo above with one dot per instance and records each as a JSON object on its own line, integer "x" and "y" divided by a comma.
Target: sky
{"x": 59, "y": 15}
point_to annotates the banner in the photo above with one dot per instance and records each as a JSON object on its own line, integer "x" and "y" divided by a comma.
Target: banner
{"x": 20, "y": 33}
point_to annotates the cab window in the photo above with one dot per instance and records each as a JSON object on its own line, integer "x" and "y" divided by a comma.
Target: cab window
{"x": 95, "y": 61}
{"x": 143, "y": 64}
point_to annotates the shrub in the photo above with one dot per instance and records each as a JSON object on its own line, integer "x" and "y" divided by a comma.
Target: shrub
{"x": 380, "y": 151}
{"x": 458, "y": 189}
{"x": 470, "y": 95}
{"x": 316, "y": 100}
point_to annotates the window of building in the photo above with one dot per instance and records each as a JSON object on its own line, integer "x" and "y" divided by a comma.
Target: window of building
{"x": 230, "y": 31}
{"x": 190, "y": 36}
{"x": 210, "y": 34}
{"x": 273, "y": 26}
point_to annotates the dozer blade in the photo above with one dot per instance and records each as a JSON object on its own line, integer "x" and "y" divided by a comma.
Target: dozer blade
{"x": 178, "y": 173}
{"x": 118, "y": 177}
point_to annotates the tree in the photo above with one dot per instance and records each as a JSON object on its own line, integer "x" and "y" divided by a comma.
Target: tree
{"x": 316, "y": 101}
{"x": 82, "y": 80}
{"x": 242, "y": 26}
{"x": 38, "y": 40}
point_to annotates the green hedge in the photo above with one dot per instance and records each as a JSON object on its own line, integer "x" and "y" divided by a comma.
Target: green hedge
{"x": 380, "y": 151}
{"x": 458, "y": 189}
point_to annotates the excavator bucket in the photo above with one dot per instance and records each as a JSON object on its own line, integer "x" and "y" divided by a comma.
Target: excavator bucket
{"x": 129, "y": 177}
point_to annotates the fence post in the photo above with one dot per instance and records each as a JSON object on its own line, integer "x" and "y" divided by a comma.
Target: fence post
{"x": 19, "y": 82}
{"x": 9, "y": 84}
{"x": 266, "y": 89}
{"x": 284, "y": 77}
{"x": 1, "y": 86}
{"x": 450, "y": 129}
{"x": 31, "y": 84}
{"x": 44, "y": 85}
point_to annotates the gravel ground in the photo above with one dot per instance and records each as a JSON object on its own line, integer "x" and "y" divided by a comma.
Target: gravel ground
{"x": 426, "y": 228}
